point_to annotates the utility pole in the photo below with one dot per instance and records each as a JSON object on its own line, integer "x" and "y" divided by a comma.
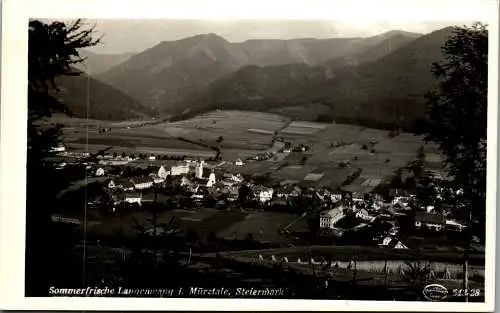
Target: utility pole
{"x": 466, "y": 255}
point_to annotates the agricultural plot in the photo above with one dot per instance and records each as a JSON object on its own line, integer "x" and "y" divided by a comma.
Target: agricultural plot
{"x": 240, "y": 130}
{"x": 302, "y": 128}
{"x": 203, "y": 221}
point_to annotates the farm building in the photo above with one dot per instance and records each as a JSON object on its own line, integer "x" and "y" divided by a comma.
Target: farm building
{"x": 238, "y": 162}
{"x": 431, "y": 221}
{"x": 163, "y": 173}
{"x": 122, "y": 184}
{"x": 393, "y": 243}
{"x": 261, "y": 193}
{"x": 211, "y": 180}
{"x": 199, "y": 169}
{"x": 180, "y": 169}
{"x": 142, "y": 182}
{"x": 58, "y": 148}
{"x": 157, "y": 179}
{"x": 99, "y": 172}
{"x": 329, "y": 218}
{"x": 133, "y": 198}
{"x": 363, "y": 214}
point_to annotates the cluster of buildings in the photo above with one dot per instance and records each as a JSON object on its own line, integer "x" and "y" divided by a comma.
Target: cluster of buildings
{"x": 368, "y": 208}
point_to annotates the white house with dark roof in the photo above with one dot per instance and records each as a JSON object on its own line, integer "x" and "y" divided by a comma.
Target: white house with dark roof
{"x": 431, "y": 221}
{"x": 122, "y": 184}
{"x": 162, "y": 172}
{"x": 100, "y": 172}
{"x": 363, "y": 214}
{"x": 179, "y": 169}
{"x": 329, "y": 218}
{"x": 133, "y": 197}
{"x": 393, "y": 243}
{"x": 142, "y": 182}
{"x": 262, "y": 193}
{"x": 211, "y": 180}
{"x": 238, "y": 162}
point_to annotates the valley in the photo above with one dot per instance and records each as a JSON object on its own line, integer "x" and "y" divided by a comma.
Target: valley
{"x": 335, "y": 150}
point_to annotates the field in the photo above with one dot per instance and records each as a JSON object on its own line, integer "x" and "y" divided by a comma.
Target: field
{"x": 244, "y": 134}
{"x": 203, "y": 221}
{"x": 263, "y": 226}
{"x": 240, "y": 130}
{"x": 336, "y": 150}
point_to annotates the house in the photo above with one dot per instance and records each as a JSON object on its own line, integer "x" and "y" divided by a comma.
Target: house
{"x": 180, "y": 169}
{"x": 112, "y": 184}
{"x": 117, "y": 198}
{"x": 284, "y": 192}
{"x": 336, "y": 196}
{"x": 403, "y": 201}
{"x": 363, "y": 214}
{"x": 238, "y": 162}
{"x": 127, "y": 186}
{"x": 197, "y": 197}
{"x": 234, "y": 178}
{"x": 199, "y": 170}
{"x": 435, "y": 222}
{"x": 152, "y": 158}
{"x": 142, "y": 182}
{"x": 329, "y": 218}
{"x": 262, "y": 194}
{"x": 393, "y": 243}
{"x": 133, "y": 198}
{"x": 120, "y": 184}
{"x": 358, "y": 196}
{"x": 99, "y": 172}
{"x": 232, "y": 194}
{"x": 58, "y": 148}
{"x": 211, "y": 180}
{"x": 157, "y": 179}
{"x": 185, "y": 181}
{"x": 162, "y": 172}
{"x": 454, "y": 225}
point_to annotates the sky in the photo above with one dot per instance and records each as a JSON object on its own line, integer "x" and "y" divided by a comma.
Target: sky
{"x": 141, "y": 24}
{"x": 117, "y": 34}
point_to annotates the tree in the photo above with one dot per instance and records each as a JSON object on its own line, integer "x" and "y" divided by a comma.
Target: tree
{"x": 456, "y": 119}
{"x": 457, "y": 113}
{"x": 244, "y": 194}
{"x": 220, "y": 140}
{"x": 416, "y": 275}
{"x": 52, "y": 53}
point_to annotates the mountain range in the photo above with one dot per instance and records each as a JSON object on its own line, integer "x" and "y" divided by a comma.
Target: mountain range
{"x": 96, "y": 63}
{"x": 88, "y": 97}
{"x": 377, "y": 79}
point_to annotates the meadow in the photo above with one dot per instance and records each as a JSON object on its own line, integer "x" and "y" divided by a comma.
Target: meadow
{"x": 263, "y": 226}
{"x": 336, "y": 150}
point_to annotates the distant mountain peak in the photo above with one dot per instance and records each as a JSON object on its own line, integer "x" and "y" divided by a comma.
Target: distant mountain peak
{"x": 206, "y": 37}
{"x": 398, "y": 32}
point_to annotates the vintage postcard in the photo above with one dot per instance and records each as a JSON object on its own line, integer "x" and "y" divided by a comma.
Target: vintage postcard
{"x": 257, "y": 155}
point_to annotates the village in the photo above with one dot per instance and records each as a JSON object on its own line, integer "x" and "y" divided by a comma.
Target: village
{"x": 365, "y": 218}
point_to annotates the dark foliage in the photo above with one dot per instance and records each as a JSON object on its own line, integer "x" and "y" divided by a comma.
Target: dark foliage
{"x": 457, "y": 113}
{"x": 52, "y": 52}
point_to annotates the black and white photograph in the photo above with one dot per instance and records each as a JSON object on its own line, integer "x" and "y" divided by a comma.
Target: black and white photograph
{"x": 255, "y": 158}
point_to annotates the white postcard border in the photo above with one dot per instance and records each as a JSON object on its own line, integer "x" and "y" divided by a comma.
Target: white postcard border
{"x": 15, "y": 15}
